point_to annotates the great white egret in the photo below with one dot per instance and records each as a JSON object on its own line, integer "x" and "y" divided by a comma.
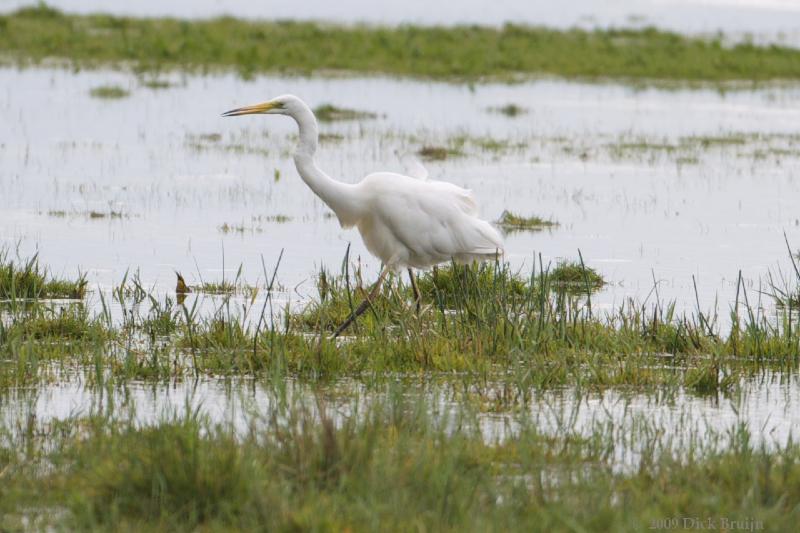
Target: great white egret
{"x": 406, "y": 222}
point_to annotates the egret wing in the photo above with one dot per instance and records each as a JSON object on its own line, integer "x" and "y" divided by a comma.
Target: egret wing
{"x": 412, "y": 165}
{"x": 434, "y": 222}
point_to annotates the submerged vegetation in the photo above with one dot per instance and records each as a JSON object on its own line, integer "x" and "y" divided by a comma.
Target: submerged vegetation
{"x": 438, "y": 153}
{"x": 509, "y": 110}
{"x": 690, "y": 147}
{"x": 91, "y": 214}
{"x": 35, "y": 34}
{"x": 254, "y": 226}
{"x": 462, "y": 144}
{"x": 331, "y": 113}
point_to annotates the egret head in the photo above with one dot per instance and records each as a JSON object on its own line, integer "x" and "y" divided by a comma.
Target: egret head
{"x": 286, "y": 104}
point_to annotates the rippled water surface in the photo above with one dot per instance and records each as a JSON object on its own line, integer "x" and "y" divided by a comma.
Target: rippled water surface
{"x": 657, "y": 188}
{"x": 767, "y": 406}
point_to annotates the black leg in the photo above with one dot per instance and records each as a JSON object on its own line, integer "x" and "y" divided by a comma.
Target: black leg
{"x": 417, "y": 295}
{"x": 364, "y": 305}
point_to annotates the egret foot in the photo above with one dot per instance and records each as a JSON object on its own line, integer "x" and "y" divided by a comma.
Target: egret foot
{"x": 364, "y": 305}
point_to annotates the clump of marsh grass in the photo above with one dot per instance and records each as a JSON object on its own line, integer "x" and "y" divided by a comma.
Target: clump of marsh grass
{"x": 238, "y": 228}
{"x": 574, "y": 275}
{"x": 207, "y": 137}
{"x": 162, "y": 319}
{"x": 460, "y": 144}
{"x": 453, "y": 283}
{"x": 510, "y": 110}
{"x": 57, "y": 323}
{"x": 331, "y": 113}
{"x": 438, "y": 153}
{"x": 105, "y": 214}
{"x": 26, "y": 279}
{"x": 330, "y": 138}
{"x": 235, "y": 286}
{"x": 783, "y": 292}
{"x": 225, "y": 287}
{"x": 255, "y": 225}
{"x": 241, "y": 143}
{"x": 157, "y": 84}
{"x": 447, "y": 287}
{"x": 172, "y": 469}
{"x": 708, "y": 377}
{"x": 513, "y": 222}
{"x": 109, "y": 92}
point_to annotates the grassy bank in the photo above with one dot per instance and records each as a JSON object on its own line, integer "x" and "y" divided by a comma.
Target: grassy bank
{"x": 484, "y": 322}
{"x": 32, "y": 35}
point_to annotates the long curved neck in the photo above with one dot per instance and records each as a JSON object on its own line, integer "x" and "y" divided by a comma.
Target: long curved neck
{"x": 337, "y": 195}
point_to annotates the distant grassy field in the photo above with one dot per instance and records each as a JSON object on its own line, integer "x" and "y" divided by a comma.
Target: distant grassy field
{"x": 32, "y": 35}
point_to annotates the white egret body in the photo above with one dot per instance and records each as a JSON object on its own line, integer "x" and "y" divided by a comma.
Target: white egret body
{"x": 404, "y": 221}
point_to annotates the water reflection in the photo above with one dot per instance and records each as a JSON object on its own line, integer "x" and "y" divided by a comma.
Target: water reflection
{"x": 768, "y": 406}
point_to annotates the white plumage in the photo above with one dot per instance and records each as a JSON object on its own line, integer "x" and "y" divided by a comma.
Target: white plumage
{"x": 411, "y": 223}
{"x": 404, "y": 221}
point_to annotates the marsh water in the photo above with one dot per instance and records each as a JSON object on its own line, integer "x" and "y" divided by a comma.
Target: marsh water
{"x": 768, "y": 407}
{"x": 668, "y": 192}
{"x": 657, "y": 188}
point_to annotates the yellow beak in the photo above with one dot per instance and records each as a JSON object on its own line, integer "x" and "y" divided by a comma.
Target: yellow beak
{"x": 250, "y": 110}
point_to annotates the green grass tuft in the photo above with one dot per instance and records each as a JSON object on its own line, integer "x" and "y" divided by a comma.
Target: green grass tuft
{"x": 109, "y": 92}
{"x": 331, "y": 113}
{"x": 69, "y": 323}
{"x": 438, "y": 153}
{"x": 26, "y": 279}
{"x": 513, "y": 222}
{"x": 574, "y": 275}
{"x": 509, "y": 110}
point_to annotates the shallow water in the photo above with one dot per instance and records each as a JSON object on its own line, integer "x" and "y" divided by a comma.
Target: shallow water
{"x": 636, "y": 217}
{"x": 768, "y": 406}
{"x": 764, "y": 20}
